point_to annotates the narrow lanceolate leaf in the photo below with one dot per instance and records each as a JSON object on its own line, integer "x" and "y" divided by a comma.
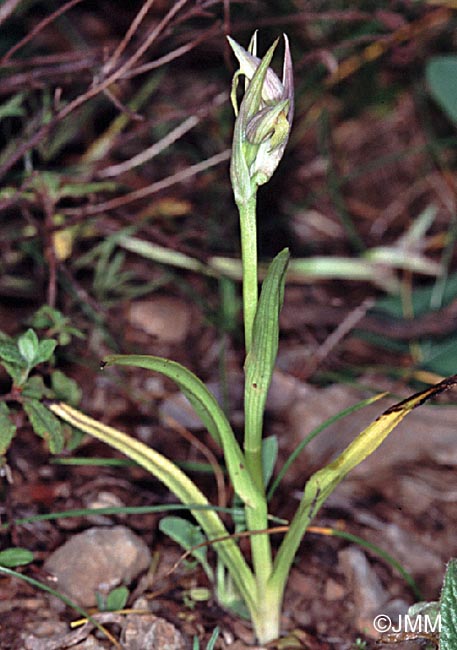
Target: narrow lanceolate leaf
{"x": 270, "y": 448}
{"x": 45, "y": 424}
{"x": 208, "y": 410}
{"x": 261, "y": 359}
{"x": 7, "y": 429}
{"x": 177, "y": 482}
{"x": 448, "y": 608}
{"x": 322, "y": 483}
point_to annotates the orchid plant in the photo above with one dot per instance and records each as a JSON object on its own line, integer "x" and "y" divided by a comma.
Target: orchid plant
{"x": 262, "y": 127}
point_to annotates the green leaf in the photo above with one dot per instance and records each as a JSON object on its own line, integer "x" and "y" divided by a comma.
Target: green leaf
{"x": 28, "y": 346}
{"x": 45, "y": 351}
{"x": 187, "y": 535}
{"x": 209, "y": 411}
{"x": 448, "y": 608}
{"x": 431, "y": 609}
{"x": 440, "y": 356}
{"x": 117, "y": 599}
{"x": 7, "y": 429}
{"x": 421, "y": 299}
{"x": 56, "y": 323}
{"x": 441, "y": 74}
{"x": 261, "y": 358}
{"x": 65, "y": 388}
{"x": 17, "y": 373}
{"x": 46, "y": 317}
{"x": 9, "y": 352}
{"x": 34, "y": 387}
{"x": 12, "y": 107}
{"x": 213, "y": 638}
{"x": 12, "y": 557}
{"x": 211, "y": 643}
{"x": 45, "y": 424}
{"x": 269, "y": 457}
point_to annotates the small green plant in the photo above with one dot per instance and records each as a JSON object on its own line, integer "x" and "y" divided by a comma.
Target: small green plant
{"x": 359, "y": 644}
{"x": 114, "y": 601}
{"x": 262, "y": 126}
{"x": 20, "y": 357}
{"x": 211, "y": 641}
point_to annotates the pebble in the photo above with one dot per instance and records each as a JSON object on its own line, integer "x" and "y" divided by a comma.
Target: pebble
{"x": 166, "y": 318}
{"x": 149, "y": 632}
{"x": 368, "y": 593}
{"x": 97, "y": 560}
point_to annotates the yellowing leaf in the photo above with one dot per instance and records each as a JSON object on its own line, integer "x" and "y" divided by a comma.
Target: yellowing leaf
{"x": 323, "y": 482}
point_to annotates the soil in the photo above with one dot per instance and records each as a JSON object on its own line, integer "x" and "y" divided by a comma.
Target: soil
{"x": 359, "y": 172}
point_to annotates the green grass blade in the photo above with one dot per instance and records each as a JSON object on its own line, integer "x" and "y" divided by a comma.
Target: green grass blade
{"x": 374, "y": 548}
{"x": 122, "y": 510}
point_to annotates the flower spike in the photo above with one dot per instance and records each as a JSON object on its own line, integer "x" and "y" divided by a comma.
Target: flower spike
{"x": 263, "y": 119}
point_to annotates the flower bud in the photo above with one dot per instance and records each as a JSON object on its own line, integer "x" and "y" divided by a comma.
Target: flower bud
{"x": 263, "y": 121}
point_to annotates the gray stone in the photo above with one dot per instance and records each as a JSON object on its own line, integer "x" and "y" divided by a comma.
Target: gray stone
{"x": 368, "y": 592}
{"x": 149, "y": 632}
{"x": 97, "y": 560}
{"x": 166, "y": 318}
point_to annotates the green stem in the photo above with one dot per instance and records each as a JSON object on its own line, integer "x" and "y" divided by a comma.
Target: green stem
{"x": 266, "y": 619}
{"x": 257, "y": 516}
{"x": 257, "y": 519}
{"x": 248, "y": 228}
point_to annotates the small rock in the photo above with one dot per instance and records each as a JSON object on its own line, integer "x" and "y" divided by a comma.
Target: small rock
{"x": 103, "y": 499}
{"x": 44, "y": 634}
{"x": 368, "y": 592}
{"x": 149, "y": 632}
{"x": 166, "y": 318}
{"x": 97, "y": 560}
{"x": 90, "y": 643}
{"x": 333, "y": 590}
